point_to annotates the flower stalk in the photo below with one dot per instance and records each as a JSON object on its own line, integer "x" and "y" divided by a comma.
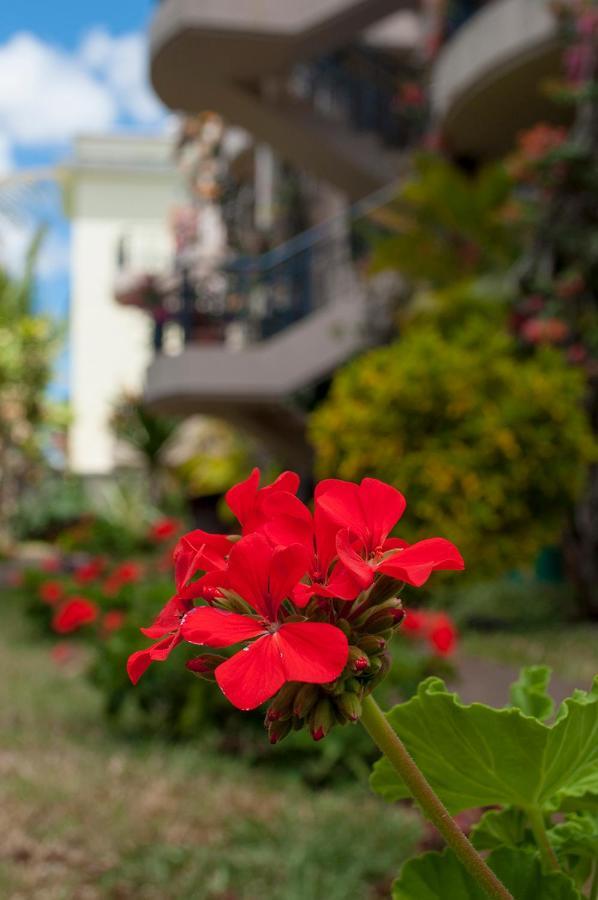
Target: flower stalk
{"x": 375, "y": 723}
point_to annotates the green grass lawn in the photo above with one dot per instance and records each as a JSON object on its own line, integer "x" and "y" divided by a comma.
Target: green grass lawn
{"x": 570, "y": 650}
{"x": 85, "y": 814}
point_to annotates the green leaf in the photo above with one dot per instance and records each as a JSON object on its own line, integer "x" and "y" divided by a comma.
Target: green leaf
{"x": 479, "y": 756}
{"x": 530, "y": 692}
{"x": 578, "y": 836}
{"x": 440, "y": 876}
{"x": 501, "y": 828}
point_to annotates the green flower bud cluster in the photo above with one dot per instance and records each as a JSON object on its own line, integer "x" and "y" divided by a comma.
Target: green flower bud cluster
{"x": 319, "y": 708}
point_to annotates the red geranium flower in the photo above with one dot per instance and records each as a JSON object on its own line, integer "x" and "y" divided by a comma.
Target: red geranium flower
{"x": 435, "y": 627}
{"x": 89, "y": 571}
{"x": 290, "y": 522}
{"x": 368, "y": 512}
{"x": 51, "y": 592}
{"x": 127, "y": 573}
{"x": 281, "y": 651}
{"x": 113, "y": 620}
{"x": 246, "y": 499}
{"x": 164, "y": 529}
{"x": 196, "y": 551}
{"x": 443, "y": 634}
{"x": 73, "y": 614}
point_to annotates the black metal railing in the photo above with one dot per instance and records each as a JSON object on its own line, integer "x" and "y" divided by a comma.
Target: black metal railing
{"x": 250, "y": 298}
{"x": 360, "y": 89}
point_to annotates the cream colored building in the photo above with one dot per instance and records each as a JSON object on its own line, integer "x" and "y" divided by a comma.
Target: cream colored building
{"x": 119, "y": 193}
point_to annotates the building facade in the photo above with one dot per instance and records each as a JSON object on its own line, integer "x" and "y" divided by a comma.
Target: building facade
{"x": 119, "y": 192}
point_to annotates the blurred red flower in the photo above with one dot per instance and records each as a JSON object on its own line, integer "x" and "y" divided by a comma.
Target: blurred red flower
{"x": 51, "y": 591}
{"x": 73, "y": 614}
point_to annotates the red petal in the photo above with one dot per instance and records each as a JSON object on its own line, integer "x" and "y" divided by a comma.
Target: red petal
{"x": 358, "y": 567}
{"x": 241, "y": 497}
{"x": 382, "y": 507}
{"x": 288, "y": 566}
{"x": 252, "y": 675}
{"x": 340, "y": 501}
{"x": 249, "y": 571}
{"x": 168, "y": 619}
{"x": 218, "y": 628}
{"x": 312, "y": 652}
{"x": 198, "y": 550}
{"x": 416, "y": 563}
{"x": 137, "y": 664}
{"x": 289, "y": 520}
{"x": 343, "y": 583}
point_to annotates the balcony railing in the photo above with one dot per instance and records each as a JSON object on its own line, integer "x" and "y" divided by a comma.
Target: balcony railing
{"x": 360, "y": 89}
{"x": 244, "y": 300}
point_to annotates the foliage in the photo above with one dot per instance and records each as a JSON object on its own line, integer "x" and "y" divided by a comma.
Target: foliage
{"x": 449, "y": 226}
{"x": 504, "y": 603}
{"x": 27, "y": 346}
{"x": 437, "y": 876}
{"x": 148, "y": 819}
{"x": 477, "y": 756}
{"x": 494, "y": 448}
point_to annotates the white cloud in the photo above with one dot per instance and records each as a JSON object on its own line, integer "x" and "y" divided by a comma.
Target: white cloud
{"x": 48, "y": 95}
{"x": 121, "y": 63}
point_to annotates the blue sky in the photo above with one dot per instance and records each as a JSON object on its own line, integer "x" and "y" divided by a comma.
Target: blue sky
{"x": 66, "y": 68}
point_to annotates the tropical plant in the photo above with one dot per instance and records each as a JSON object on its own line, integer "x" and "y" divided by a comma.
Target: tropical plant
{"x": 496, "y": 447}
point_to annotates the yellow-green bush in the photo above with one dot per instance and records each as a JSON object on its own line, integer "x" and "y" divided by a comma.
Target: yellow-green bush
{"x": 490, "y": 449}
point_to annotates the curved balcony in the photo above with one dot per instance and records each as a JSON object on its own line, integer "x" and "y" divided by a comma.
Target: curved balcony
{"x": 240, "y": 59}
{"x": 488, "y": 80}
{"x": 266, "y": 329}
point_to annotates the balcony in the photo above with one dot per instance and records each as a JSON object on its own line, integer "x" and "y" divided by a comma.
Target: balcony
{"x": 488, "y": 79}
{"x": 253, "y": 333}
{"x": 279, "y": 70}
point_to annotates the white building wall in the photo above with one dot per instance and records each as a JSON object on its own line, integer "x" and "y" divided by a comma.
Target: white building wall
{"x": 117, "y": 187}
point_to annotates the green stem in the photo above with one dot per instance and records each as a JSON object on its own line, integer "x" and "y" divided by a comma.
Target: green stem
{"x": 536, "y": 821}
{"x": 594, "y": 887}
{"x": 377, "y": 726}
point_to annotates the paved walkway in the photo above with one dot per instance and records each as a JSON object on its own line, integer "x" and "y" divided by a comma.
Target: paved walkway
{"x": 487, "y": 681}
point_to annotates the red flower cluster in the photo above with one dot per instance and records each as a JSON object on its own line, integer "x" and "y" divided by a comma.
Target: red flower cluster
{"x": 51, "y": 592}
{"x": 164, "y": 530}
{"x": 312, "y": 596}
{"x": 434, "y": 627}
{"x": 74, "y": 613}
{"x": 125, "y": 573}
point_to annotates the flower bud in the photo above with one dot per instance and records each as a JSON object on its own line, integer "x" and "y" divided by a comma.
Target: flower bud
{"x": 354, "y": 686}
{"x": 350, "y": 705}
{"x": 281, "y": 707}
{"x": 231, "y": 601}
{"x": 382, "y": 618}
{"x": 383, "y": 589}
{"x": 383, "y": 664}
{"x": 305, "y": 700}
{"x": 203, "y": 666}
{"x": 321, "y": 719}
{"x": 345, "y": 627}
{"x": 371, "y": 644}
{"x": 358, "y": 661}
{"x": 278, "y": 730}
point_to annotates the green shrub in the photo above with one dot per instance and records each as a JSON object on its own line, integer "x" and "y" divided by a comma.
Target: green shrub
{"x": 490, "y": 449}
